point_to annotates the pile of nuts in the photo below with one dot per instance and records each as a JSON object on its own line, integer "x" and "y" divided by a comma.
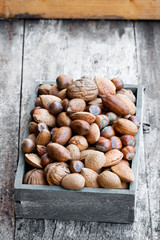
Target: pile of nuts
{"x": 82, "y": 134}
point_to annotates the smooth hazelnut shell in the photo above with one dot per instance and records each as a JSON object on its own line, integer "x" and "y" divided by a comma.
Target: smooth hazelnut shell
{"x": 112, "y": 117}
{"x": 54, "y": 90}
{"x": 55, "y": 107}
{"x": 45, "y": 160}
{"x": 103, "y": 144}
{"x": 118, "y": 83}
{"x": 63, "y": 81}
{"x": 32, "y": 127}
{"x": 128, "y": 140}
{"x": 94, "y": 109}
{"x": 107, "y": 132}
{"x": 38, "y": 102}
{"x": 65, "y": 103}
{"x": 76, "y": 166}
{"x": 136, "y": 120}
{"x": 116, "y": 143}
{"x": 40, "y": 127}
{"x": 32, "y": 111}
{"x": 28, "y": 145}
{"x": 128, "y": 152}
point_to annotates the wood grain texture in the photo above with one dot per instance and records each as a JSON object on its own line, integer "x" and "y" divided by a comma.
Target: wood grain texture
{"x": 82, "y": 48}
{"x": 92, "y": 9}
{"x": 148, "y": 53}
{"x": 10, "y": 84}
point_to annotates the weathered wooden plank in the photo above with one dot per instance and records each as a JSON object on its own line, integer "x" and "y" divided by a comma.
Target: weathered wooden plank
{"x": 82, "y": 48}
{"x": 103, "y": 9}
{"x": 148, "y": 52}
{"x": 11, "y": 42}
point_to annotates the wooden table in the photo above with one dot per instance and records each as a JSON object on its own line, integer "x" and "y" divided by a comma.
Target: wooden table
{"x": 43, "y": 49}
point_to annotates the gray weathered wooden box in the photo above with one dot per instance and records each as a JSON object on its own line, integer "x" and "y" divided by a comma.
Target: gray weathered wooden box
{"x": 88, "y": 204}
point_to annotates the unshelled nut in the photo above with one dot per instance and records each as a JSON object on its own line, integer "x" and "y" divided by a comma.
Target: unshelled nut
{"x": 41, "y": 150}
{"x": 28, "y": 145}
{"x": 43, "y": 137}
{"x": 73, "y": 181}
{"x": 40, "y": 127}
{"x": 112, "y": 117}
{"x": 80, "y": 142}
{"x": 63, "y": 120}
{"x": 113, "y": 157}
{"x": 118, "y": 83}
{"x": 105, "y": 86}
{"x": 33, "y": 160}
{"x": 94, "y": 109}
{"x": 44, "y": 89}
{"x": 125, "y": 127}
{"x": 55, "y": 107}
{"x": 102, "y": 121}
{"x": 90, "y": 177}
{"x": 74, "y": 151}
{"x": 136, "y": 120}
{"x": 76, "y": 166}
{"x": 95, "y": 160}
{"x": 86, "y": 116}
{"x": 43, "y": 115}
{"x": 129, "y": 152}
{"x": 48, "y": 99}
{"x": 62, "y": 94}
{"x": 54, "y": 90}
{"x": 63, "y": 81}
{"x": 116, "y": 142}
{"x": 108, "y": 179}
{"x": 55, "y": 172}
{"x": 58, "y": 153}
{"x": 128, "y": 140}
{"x": 124, "y": 172}
{"x": 107, "y": 132}
{"x": 93, "y": 134}
{"x": 35, "y": 177}
{"x": 80, "y": 127}
{"x": 32, "y": 127}
{"x": 76, "y": 105}
{"x": 103, "y": 144}
{"x": 62, "y": 135}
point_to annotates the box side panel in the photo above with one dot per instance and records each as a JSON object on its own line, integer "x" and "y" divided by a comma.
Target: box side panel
{"x": 81, "y": 207}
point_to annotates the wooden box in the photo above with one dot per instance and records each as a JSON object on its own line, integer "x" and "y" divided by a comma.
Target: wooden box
{"x": 88, "y": 204}
{"x": 80, "y": 9}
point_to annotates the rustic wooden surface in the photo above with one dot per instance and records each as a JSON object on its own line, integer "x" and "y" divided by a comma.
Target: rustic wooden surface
{"x": 80, "y": 9}
{"x": 41, "y": 50}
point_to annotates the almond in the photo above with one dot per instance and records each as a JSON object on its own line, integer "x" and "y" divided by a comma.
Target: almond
{"x": 76, "y": 105}
{"x": 80, "y": 127}
{"x": 80, "y": 142}
{"x": 90, "y": 177}
{"x": 54, "y": 90}
{"x": 74, "y": 151}
{"x": 73, "y": 181}
{"x": 33, "y": 160}
{"x": 108, "y": 179}
{"x": 86, "y": 116}
{"x": 62, "y": 135}
{"x": 43, "y": 137}
{"x": 124, "y": 98}
{"x": 105, "y": 86}
{"x": 58, "y": 153}
{"x": 95, "y": 160}
{"x": 125, "y": 127}
{"x": 43, "y": 115}
{"x": 113, "y": 157}
{"x": 48, "y": 99}
{"x": 124, "y": 172}
{"x": 84, "y": 153}
{"x": 114, "y": 104}
{"x": 93, "y": 134}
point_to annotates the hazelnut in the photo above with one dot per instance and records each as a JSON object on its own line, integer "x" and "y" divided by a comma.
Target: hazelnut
{"x": 62, "y": 135}
{"x": 58, "y": 153}
{"x": 76, "y": 166}
{"x": 54, "y": 90}
{"x": 43, "y": 137}
{"x": 55, "y": 107}
{"x": 62, "y": 94}
{"x": 53, "y": 130}
{"x": 118, "y": 83}
{"x": 80, "y": 127}
{"x": 65, "y": 103}
{"x": 63, "y": 81}
{"x": 103, "y": 144}
{"x": 63, "y": 120}
{"x": 28, "y": 145}
{"x": 107, "y": 132}
{"x": 102, "y": 121}
{"x": 32, "y": 137}
{"x": 35, "y": 177}
{"x": 40, "y": 127}
{"x": 116, "y": 142}
{"x": 129, "y": 152}
{"x": 32, "y": 127}
{"x": 94, "y": 109}
{"x": 112, "y": 117}
{"x": 45, "y": 160}
{"x": 128, "y": 140}
{"x": 135, "y": 120}
{"x": 44, "y": 89}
